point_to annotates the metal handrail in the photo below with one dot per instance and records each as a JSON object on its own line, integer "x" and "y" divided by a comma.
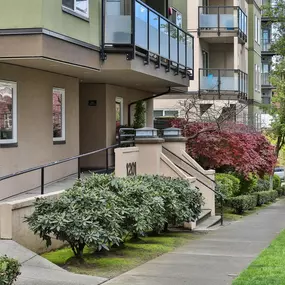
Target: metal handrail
{"x": 78, "y": 157}
{"x": 221, "y": 196}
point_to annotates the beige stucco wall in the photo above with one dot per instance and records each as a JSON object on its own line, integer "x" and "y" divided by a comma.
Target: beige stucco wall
{"x": 98, "y": 124}
{"x": 35, "y": 128}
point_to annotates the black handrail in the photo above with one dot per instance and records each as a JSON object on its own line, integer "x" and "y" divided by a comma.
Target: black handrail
{"x": 218, "y": 193}
{"x": 78, "y": 157}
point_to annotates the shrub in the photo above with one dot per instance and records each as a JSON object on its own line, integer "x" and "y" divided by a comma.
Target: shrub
{"x": 262, "y": 185}
{"x": 9, "y": 270}
{"x": 139, "y": 206}
{"x": 281, "y": 191}
{"x": 248, "y": 184}
{"x": 81, "y": 216}
{"x": 276, "y": 181}
{"x": 243, "y": 203}
{"x": 177, "y": 202}
{"x": 103, "y": 210}
{"x": 225, "y": 185}
{"x": 266, "y": 197}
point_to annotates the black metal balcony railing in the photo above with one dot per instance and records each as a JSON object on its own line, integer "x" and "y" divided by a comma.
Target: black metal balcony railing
{"x": 140, "y": 30}
{"x": 223, "y": 19}
{"x": 265, "y": 79}
{"x": 266, "y": 46}
{"x": 223, "y": 81}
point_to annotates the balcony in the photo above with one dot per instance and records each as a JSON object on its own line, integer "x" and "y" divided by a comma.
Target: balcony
{"x": 226, "y": 84}
{"x": 222, "y": 21}
{"x": 266, "y": 46}
{"x": 141, "y": 32}
{"x": 265, "y": 80}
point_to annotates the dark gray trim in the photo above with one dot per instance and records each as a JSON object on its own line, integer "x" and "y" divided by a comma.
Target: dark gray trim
{"x": 39, "y": 31}
{"x": 73, "y": 13}
{"x": 59, "y": 142}
{"x": 49, "y": 58}
{"x": 8, "y": 145}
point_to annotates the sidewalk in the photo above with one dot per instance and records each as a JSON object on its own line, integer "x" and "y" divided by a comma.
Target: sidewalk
{"x": 215, "y": 259}
{"x": 36, "y": 270}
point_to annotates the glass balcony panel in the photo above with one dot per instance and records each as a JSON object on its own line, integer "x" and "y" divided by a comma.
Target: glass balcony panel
{"x": 173, "y": 43}
{"x": 223, "y": 80}
{"x": 141, "y": 26}
{"x": 164, "y": 39}
{"x": 153, "y": 32}
{"x": 190, "y": 44}
{"x": 209, "y": 80}
{"x": 208, "y": 21}
{"x": 182, "y": 48}
{"x": 118, "y": 26}
{"x": 227, "y": 21}
{"x": 229, "y": 80}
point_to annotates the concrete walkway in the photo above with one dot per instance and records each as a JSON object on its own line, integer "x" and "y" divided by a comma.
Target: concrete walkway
{"x": 36, "y": 270}
{"x": 215, "y": 259}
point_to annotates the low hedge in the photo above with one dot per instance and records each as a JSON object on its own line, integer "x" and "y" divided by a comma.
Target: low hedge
{"x": 9, "y": 270}
{"x": 281, "y": 191}
{"x": 276, "y": 181}
{"x": 266, "y": 197}
{"x": 243, "y": 203}
{"x": 228, "y": 184}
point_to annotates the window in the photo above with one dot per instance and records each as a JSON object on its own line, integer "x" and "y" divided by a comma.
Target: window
{"x": 257, "y": 29}
{"x": 204, "y": 108}
{"x": 119, "y": 112}
{"x": 78, "y": 6}
{"x": 176, "y": 17}
{"x": 8, "y": 112}
{"x": 259, "y": 78}
{"x": 165, "y": 113}
{"x": 58, "y": 114}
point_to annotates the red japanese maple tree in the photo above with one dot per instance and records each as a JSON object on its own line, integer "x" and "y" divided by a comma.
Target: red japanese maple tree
{"x": 228, "y": 147}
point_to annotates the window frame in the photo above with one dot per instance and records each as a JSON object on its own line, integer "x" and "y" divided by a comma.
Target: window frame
{"x": 14, "y": 140}
{"x": 63, "y": 123}
{"x": 76, "y": 11}
{"x": 165, "y": 110}
{"x": 177, "y": 12}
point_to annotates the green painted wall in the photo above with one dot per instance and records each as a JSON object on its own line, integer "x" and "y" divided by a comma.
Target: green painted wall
{"x": 61, "y": 22}
{"x": 254, "y": 56}
{"x": 20, "y": 14}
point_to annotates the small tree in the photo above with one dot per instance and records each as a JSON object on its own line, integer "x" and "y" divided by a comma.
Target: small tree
{"x": 139, "y": 116}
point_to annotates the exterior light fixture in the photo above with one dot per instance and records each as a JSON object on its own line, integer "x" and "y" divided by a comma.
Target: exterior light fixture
{"x": 146, "y": 133}
{"x": 172, "y": 132}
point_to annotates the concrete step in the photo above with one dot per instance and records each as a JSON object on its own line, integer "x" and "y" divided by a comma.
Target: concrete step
{"x": 208, "y": 224}
{"x": 204, "y": 215}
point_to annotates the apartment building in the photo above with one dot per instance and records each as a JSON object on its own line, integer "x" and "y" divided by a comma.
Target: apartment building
{"x": 227, "y": 58}
{"x": 69, "y": 70}
{"x": 267, "y": 55}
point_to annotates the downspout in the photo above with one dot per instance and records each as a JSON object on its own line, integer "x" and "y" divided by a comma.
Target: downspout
{"x": 145, "y": 99}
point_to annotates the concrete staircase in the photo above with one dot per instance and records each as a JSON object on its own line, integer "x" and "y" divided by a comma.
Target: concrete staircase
{"x": 206, "y": 221}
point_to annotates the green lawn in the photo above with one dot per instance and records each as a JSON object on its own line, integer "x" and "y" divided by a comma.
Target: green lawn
{"x": 268, "y": 268}
{"x": 119, "y": 260}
